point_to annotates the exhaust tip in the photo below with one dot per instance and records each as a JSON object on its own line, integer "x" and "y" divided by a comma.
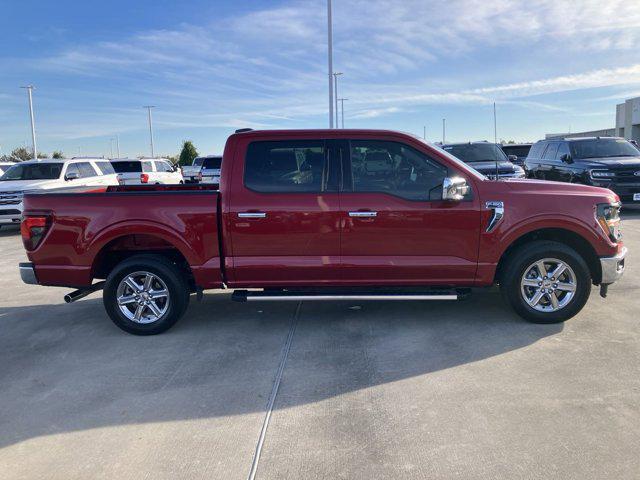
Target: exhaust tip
{"x": 68, "y": 299}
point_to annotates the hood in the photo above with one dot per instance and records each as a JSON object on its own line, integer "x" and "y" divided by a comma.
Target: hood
{"x": 489, "y": 167}
{"x": 28, "y": 185}
{"x": 611, "y": 162}
{"x": 545, "y": 187}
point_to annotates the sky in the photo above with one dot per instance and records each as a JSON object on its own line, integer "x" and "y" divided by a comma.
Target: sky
{"x": 212, "y": 66}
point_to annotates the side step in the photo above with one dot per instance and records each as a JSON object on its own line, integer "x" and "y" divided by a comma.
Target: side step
{"x": 301, "y": 295}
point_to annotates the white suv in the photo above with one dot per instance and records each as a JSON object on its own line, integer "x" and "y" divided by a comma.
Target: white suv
{"x": 150, "y": 171}
{"x": 46, "y": 174}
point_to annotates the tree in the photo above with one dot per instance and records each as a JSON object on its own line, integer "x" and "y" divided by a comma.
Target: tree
{"x": 57, "y": 154}
{"x": 20, "y": 154}
{"x": 187, "y": 154}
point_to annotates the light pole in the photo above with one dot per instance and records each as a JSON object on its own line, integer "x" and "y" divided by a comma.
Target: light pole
{"x": 33, "y": 122}
{"x": 149, "y": 107}
{"x": 118, "y": 145}
{"x": 495, "y": 124}
{"x": 342, "y": 100}
{"x": 111, "y": 148}
{"x": 330, "y": 45}
{"x": 335, "y": 86}
{"x": 444, "y": 122}
{"x": 424, "y": 132}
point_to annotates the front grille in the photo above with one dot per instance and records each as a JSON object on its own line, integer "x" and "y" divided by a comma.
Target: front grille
{"x": 631, "y": 175}
{"x": 10, "y": 212}
{"x": 10, "y": 198}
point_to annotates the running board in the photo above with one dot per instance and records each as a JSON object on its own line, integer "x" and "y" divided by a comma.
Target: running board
{"x": 299, "y": 296}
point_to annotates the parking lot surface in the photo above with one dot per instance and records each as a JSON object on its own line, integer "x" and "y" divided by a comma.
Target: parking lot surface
{"x": 374, "y": 390}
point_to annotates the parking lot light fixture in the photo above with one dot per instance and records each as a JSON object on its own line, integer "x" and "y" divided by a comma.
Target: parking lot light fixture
{"x": 29, "y": 89}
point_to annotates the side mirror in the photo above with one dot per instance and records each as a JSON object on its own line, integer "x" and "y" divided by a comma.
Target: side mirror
{"x": 175, "y": 167}
{"x": 513, "y": 158}
{"x": 566, "y": 158}
{"x": 454, "y": 189}
{"x": 71, "y": 176}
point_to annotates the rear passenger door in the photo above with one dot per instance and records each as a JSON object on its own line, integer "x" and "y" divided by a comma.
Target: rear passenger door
{"x": 282, "y": 219}
{"x": 396, "y": 228}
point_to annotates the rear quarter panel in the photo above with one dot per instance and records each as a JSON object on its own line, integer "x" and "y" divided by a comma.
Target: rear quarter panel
{"x": 82, "y": 224}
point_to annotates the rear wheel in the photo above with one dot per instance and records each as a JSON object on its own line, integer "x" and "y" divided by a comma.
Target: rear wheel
{"x": 146, "y": 294}
{"x": 546, "y": 282}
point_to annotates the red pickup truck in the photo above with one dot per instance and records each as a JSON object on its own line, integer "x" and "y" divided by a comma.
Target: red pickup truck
{"x": 327, "y": 214}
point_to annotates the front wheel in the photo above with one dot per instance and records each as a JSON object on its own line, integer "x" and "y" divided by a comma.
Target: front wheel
{"x": 546, "y": 282}
{"x": 146, "y": 294}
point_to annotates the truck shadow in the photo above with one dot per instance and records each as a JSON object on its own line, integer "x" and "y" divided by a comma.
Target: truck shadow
{"x": 67, "y": 368}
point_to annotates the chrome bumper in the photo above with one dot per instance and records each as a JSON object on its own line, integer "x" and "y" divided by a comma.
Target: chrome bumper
{"x": 28, "y": 274}
{"x": 612, "y": 267}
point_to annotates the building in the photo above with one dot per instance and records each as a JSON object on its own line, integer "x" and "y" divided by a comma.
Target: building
{"x": 627, "y": 124}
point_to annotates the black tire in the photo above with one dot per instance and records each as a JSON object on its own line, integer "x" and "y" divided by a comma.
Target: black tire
{"x": 524, "y": 256}
{"x": 174, "y": 279}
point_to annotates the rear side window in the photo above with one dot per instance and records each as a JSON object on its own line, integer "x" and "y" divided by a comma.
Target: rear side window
{"x": 395, "y": 168}
{"x": 127, "y": 167}
{"x": 550, "y": 152}
{"x": 105, "y": 168}
{"x": 287, "y": 166}
{"x": 536, "y": 150}
{"x": 212, "y": 163}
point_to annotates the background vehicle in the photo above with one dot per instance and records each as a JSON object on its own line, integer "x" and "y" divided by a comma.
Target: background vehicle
{"x": 146, "y": 171}
{"x": 608, "y": 162}
{"x": 517, "y": 150}
{"x": 204, "y": 169}
{"x": 486, "y": 158}
{"x": 47, "y": 174}
{"x": 4, "y": 166}
{"x": 327, "y": 214}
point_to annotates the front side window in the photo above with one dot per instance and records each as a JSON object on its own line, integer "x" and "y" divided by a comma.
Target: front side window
{"x": 163, "y": 167}
{"x": 105, "y": 168}
{"x": 563, "y": 149}
{"x": 33, "y": 171}
{"x": 395, "y": 168}
{"x": 86, "y": 170}
{"x": 147, "y": 167}
{"x": 286, "y": 166}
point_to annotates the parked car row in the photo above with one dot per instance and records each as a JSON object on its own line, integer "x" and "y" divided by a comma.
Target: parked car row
{"x": 49, "y": 173}
{"x": 608, "y": 162}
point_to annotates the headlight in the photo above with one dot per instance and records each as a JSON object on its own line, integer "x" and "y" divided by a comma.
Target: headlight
{"x": 608, "y": 216}
{"x": 601, "y": 174}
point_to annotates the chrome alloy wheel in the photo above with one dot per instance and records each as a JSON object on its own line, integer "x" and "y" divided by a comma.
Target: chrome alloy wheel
{"x": 548, "y": 285}
{"x": 143, "y": 297}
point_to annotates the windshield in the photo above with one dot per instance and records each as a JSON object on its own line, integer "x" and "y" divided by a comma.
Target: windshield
{"x": 602, "y": 148}
{"x": 197, "y": 162}
{"x": 33, "y": 171}
{"x": 476, "y": 152}
{"x": 134, "y": 166}
{"x": 212, "y": 163}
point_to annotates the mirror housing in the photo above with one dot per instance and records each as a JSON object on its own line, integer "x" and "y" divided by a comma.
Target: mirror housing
{"x": 71, "y": 176}
{"x": 566, "y": 158}
{"x": 513, "y": 158}
{"x": 454, "y": 189}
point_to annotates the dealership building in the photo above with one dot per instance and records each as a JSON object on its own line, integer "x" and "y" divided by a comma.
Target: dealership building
{"x": 627, "y": 124}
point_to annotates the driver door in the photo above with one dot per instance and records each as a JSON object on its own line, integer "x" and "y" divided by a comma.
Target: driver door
{"x": 396, "y": 230}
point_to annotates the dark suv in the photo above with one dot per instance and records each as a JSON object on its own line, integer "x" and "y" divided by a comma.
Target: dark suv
{"x": 608, "y": 162}
{"x": 486, "y": 158}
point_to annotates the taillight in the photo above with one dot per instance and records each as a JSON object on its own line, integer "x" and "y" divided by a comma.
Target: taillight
{"x": 33, "y": 230}
{"x": 144, "y": 178}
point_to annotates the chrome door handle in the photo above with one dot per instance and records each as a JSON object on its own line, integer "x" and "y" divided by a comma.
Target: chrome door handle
{"x": 363, "y": 214}
{"x": 252, "y": 215}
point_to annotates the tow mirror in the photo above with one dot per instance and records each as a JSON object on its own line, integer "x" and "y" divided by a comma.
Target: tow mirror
{"x": 454, "y": 189}
{"x": 566, "y": 158}
{"x": 71, "y": 176}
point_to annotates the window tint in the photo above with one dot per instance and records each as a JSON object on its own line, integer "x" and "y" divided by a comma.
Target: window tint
{"x": 33, "y": 171}
{"x": 395, "y": 168}
{"x": 518, "y": 151}
{"x": 476, "y": 152}
{"x": 147, "y": 167}
{"x": 550, "y": 152}
{"x": 288, "y": 166}
{"x": 133, "y": 166}
{"x": 562, "y": 150}
{"x": 105, "y": 168}
{"x": 86, "y": 170}
{"x": 212, "y": 163}
{"x": 602, "y": 148}
{"x": 72, "y": 168}
{"x": 536, "y": 150}
{"x": 163, "y": 167}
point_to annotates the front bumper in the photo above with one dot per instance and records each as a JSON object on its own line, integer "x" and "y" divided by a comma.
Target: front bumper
{"x": 612, "y": 267}
{"x": 28, "y": 273}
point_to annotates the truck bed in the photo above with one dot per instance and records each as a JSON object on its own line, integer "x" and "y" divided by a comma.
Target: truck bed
{"x": 91, "y": 227}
